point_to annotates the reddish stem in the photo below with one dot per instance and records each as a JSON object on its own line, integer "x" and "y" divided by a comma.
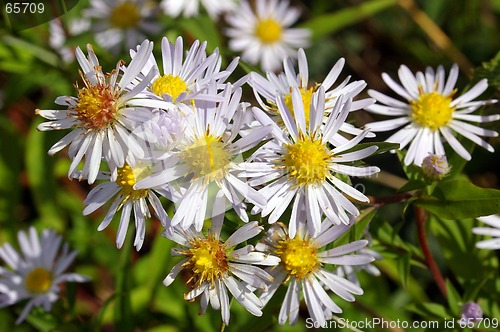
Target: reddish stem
{"x": 431, "y": 263}
{"x": 389, "y": 199}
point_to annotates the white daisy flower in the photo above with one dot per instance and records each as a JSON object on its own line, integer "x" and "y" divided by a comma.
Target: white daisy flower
{"x": 430, "y": 113}
{"x": 214, "y": 267}
{"x": 185, "y": 80}
{"x": 301, "y": 165}
{"x": 105, "y": 117}
{"x": 122, "y": 24}
{"x": 264, "y": 35}
{"x": 302, "y": 266}
{"x": 190, "y": 8}
{"x": 493, "y": 231}
{"x": 210, "y": 159}
{"x": 267, "y": 89}
{"x": 128, "y": 200}
{"x": 36, "y": 273}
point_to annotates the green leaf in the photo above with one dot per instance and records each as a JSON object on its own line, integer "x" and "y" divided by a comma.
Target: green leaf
{"x": 357, "y": 231}
{"x": 332, "y": 22}
{"x": 385, "y": 235}
{"x": 460, "y": 199}
{"x": 203, "y": 28}
{"x": 454, "y": 299}
{"x": 404, "y": 264}
{"x": 44, "y": 321}
{"x": 412, "y": 185}
{"x": 39, "y": 167}
{"x": 456, "y": 243}
{"x": 363, "y": 221}
{"x": 491, "y": 71}
{"x": 100, "y": 315}
{"x": 474, "y": 289}
{"x": 10, "y": 169}
{"x": 412, "y": 171}
{"x": 429, "y": 310}
{"x": 123, "y": 311}
{"x": 31, "y": 49}
{"x": 149, "y": 272}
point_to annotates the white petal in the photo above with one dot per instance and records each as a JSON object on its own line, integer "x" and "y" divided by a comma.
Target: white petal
{"x": 291, "y": 303}
{"x": 396, "y": 87}
{"x": 473, "y": 137}
{"x": 313, "y": 306}
{"x": 475, "y": 91}
{"x": 387, "y": 125}
{"x": 455, "y": 144}
{"x": 243, "y": 233}
{"x": 174, "y": 272}
{"x": 246, "y": 298}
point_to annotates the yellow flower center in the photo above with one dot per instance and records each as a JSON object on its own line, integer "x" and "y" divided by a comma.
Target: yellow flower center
{"x": 125, "y": 15}
{"x": 97, "y": 105}
{"x": 432, "y": 110}
{"x": 307, "y": 160}
{"x": 207, "y": 157}
{"x": 306, "y": 101}
{"x": 127, "y": 177}
{"x": 298, "y": 257}
{"x": 38, "y": 280}
{"x": 170, "y": 85}
{"x": 208, "y": 260}
{"x": 268, "y": 31}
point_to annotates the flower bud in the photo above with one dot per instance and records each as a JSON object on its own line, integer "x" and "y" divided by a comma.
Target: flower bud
{"x": 435, "y": 167}
{"x": 471, "y": 311}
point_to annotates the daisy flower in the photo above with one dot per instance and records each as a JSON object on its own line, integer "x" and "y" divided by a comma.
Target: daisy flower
{"x": 190, "y": 8}
{"x": 267, "y": 89}
{"x": 35, "y": 273}
{"x": 209, "y": 159}
{"x": 264, "y": 35}
{"x": 300, "y": 164}
{"x": 430, "y": 113}
{"x": 185, "y": 80}
{"x": 122, "y": 23}
{"x": 493, "y": 231}
{"x": 215, "y": 266}
{"x": 128, "y": 200}
{"x": 302, "y": 267}
{"x": 105, "y": 118}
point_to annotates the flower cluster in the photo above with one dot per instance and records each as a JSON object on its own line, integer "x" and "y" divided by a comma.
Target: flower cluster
{"x": 184, "y": 133}
{"x": 180, "y": 131}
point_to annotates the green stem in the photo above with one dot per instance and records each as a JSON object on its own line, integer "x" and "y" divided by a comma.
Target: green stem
{"x": 123, "y": 309}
